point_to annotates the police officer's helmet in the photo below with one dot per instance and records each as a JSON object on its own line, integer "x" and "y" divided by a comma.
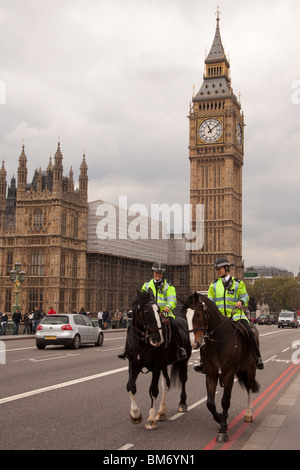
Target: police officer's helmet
{"x": 158, "y": 268}
{"x": 222, "y": 262}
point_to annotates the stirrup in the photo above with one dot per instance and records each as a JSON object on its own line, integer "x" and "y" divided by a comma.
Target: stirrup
{"x": 259, "y": 363}
{"x": 181, "y": 354}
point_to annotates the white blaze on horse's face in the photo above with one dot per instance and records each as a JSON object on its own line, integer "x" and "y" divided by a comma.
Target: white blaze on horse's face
{"x": 158, "y": 322}
{"x": 189, "y": 317}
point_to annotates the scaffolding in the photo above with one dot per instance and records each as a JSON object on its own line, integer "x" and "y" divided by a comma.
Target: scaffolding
{"x": 121, "y": 248}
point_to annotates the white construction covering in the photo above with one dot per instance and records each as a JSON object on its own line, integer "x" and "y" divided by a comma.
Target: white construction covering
{"x": 119, "y": 232}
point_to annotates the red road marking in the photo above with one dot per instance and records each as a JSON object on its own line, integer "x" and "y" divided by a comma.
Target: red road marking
{"x": 292, "y": 369}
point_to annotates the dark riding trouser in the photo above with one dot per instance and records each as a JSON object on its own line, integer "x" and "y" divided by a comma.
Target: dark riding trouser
{"x": 175, "y": 332}
{"x": 252, "y": 340}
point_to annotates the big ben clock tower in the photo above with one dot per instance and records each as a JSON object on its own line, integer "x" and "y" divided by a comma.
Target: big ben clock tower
{"x": 216, "y": 153}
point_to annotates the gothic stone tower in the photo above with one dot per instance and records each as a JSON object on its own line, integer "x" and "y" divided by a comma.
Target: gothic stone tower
{"x": 43, "y": 225}
{"x": 216, "y": 144}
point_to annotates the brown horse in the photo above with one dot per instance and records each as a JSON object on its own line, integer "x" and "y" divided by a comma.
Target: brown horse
{"x": 225, "y": 352}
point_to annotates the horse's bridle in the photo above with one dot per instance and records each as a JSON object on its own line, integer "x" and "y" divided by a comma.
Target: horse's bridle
{"x": 204, "y": 327}
{"x": 144, "y": 333}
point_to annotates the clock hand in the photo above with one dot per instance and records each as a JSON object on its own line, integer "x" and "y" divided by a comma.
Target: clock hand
{"x": 212, "y": 128}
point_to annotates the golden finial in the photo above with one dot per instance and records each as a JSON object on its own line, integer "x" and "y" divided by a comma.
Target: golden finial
{"x": 193, "y": 90}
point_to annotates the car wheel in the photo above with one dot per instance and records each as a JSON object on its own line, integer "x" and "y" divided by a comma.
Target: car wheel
{"x": 99, "y": 340}
{"x": 76, "y": 342}
{"x": 41, "y": 346}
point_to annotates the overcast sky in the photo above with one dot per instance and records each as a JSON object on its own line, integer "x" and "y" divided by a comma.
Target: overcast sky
{"x": 114, "y": 79}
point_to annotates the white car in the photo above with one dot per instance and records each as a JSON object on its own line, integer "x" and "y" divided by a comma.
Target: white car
{"x": 67, "y": 329}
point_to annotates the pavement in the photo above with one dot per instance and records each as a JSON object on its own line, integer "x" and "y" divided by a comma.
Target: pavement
{"x": 280, "y": 428}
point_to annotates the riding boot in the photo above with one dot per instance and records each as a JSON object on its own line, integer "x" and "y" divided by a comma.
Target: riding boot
{"x": 255, "y": 350}
{"x": 122, "y": 354}
{"x": 181, "y": 352}
{"x": 199, "y": 368}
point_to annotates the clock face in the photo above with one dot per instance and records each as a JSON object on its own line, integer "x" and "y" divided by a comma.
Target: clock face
{"x": 210, "y": 130}
{"x": 239, "y": 134}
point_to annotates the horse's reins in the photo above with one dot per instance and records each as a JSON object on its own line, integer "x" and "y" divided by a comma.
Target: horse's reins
{"x": 209, "y": 333}
{"x": 144, "y": 334}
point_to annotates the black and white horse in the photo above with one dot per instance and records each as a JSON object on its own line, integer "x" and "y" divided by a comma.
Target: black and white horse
{"x": 151, "y": 346}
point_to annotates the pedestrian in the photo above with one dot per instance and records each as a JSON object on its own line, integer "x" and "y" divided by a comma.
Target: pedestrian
{"x": 30, "y": 316}
{"x": 16, "y": 318}
{"x": 82, "y": 311}
{"x": 124, "y": 319}
{"x": 37, "y": 316}
{"x": 129, "y": 317}
{"x": 51, "y": 311}
{"x": 100, "y": 316}
{"x": 105, "y": 318}
{"x": 3, "y": 323}
{"x": 117, "y": 318}
{"x": 26, "y": 323}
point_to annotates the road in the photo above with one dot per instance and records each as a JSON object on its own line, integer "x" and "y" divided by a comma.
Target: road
{"x": 65, "y": 399}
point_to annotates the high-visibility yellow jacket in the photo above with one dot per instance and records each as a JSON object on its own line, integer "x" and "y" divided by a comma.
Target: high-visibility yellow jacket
{"x": 165, "y": 296}
{"x": 225, "y": 299}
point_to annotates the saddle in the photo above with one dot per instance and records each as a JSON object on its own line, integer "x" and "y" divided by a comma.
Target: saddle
{"x": 243, "y": 331}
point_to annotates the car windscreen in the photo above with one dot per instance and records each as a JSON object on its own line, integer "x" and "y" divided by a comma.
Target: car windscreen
{"x": 286, "y": 314}
{"x": 55, "y": 320}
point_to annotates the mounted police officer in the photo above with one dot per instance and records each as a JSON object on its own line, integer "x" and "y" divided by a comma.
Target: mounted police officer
{"x": 229, "y": 294}
{"x": 165, "y": 296}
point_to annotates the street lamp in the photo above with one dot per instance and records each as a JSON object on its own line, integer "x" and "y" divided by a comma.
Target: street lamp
{"x": 17, "y": 277}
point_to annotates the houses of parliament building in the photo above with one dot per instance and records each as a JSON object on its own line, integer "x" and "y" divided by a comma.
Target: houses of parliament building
{"x": 51, "y": 229}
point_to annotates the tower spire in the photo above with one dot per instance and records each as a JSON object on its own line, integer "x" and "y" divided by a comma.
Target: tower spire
{"x": 217, "y": 50}
{"x": 217, "y": 82}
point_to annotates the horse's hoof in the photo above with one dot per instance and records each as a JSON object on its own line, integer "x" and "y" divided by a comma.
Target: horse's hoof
{"x": 222, "y": 437}
{"x": 151, "y": 425}
{"x": 136, "y": 420}
{"x": 248, "y": 419}
{"x": 161, "y": 417}
{"x": 182, "y": 408}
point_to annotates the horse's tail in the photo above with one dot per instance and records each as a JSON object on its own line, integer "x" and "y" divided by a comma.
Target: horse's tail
{"x": 244, "y": 382}
{"x": 177, "y": 373}
{"x": 174, "y": 375}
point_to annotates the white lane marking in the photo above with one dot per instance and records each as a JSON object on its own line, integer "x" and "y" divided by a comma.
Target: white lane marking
{"x": 126, "y": 447}
{"x": 61, "y": 385}
{"x": 190, "y": 407}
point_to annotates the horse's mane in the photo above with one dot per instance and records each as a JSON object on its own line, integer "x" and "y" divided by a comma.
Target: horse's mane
{"x": 209, "y": 304}
{"x": 141, "y": 299}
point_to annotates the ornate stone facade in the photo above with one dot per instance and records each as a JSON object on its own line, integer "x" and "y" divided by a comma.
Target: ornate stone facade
{"x": 43, "y": 224}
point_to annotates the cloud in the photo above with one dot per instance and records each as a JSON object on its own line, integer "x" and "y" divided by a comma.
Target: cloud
{"x": 115, "y": 80}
